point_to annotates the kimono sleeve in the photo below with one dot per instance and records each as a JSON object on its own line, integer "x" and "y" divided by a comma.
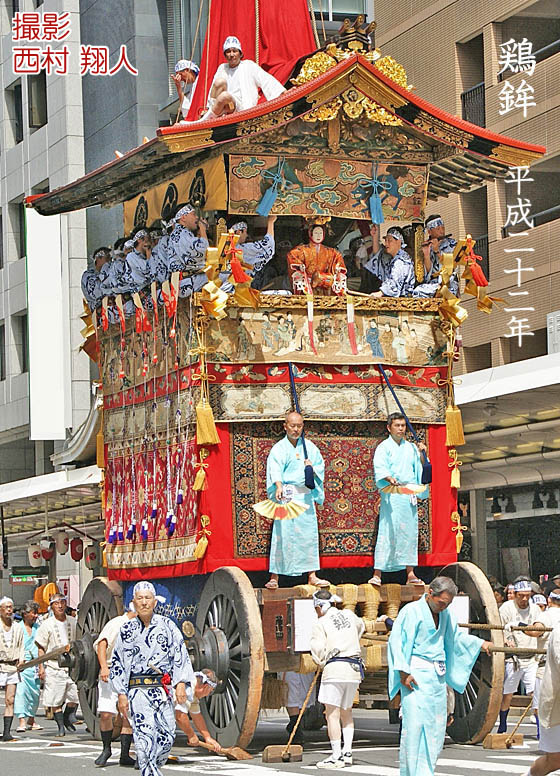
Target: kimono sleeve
{"x": 398, "y": 280}
{"x": 417, "y": 468}
{"x": 182, "y": 670}
{"x": 461, "y": 652}
{"x": 318, "y": 644}
{"x": 399, "y": 648}
{"x": 275, "y": 465}
{"x": 42, "y": 636}
{"x": 269, "y": 85}
{"x": 381, "y": 466}
{"x": 121, "y": 660}
{"x": 258, "y": 253}
{"x": 318, "y": 464}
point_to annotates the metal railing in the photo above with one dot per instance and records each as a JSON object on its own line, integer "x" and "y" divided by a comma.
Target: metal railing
{"x": 550, "y": 214}
{"x": 541, "y": 54}
{"x": 473, "y": 105}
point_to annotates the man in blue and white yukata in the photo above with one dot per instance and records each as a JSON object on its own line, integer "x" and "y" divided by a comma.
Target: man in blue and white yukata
{"x": 391, "y": 264}
{"x": 426, "y": 652}
{"x": 437, "y": 242}
{"x": 149, "y": 661}
{"x": 294, "y": 546}
{"x": 91, "y": 279}
{"x": 397, "y": 462}
{"x": 186, "y": 250}
{"x": 257, "y": 254}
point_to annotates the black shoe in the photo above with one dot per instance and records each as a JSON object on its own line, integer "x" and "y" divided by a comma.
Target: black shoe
{"x": 59, "y": 719}
{"x": 103, "y": 758}
{"x": 126, "y": 761}
{"x": 67, "y": 719}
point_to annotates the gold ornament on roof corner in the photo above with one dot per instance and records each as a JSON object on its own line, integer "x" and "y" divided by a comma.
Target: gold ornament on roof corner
{"x": 316, "y": 65}
{"x": 393, "y": 70}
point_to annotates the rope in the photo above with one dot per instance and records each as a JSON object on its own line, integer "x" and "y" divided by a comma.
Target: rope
{"x": 195, "y": 39}
{"x": 313, "y": 23}
{"x": 322, "y": 21}
{"x": 257, "y": 32}
{"x": 207, "y": 51}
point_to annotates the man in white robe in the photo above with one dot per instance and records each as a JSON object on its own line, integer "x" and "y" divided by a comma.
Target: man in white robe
{"x": 185, "y": 77}
{"x": 237, "y": 82}
{"x": 294, "y": 545}
{"x": 397, "y": 462}
{"x": 150, "y": 660}
{"x": 335, "y": 647}
{"x": 107, "y": 697}
{"x": 550, "y": 618}
{"x": 12, "y": 653}
{"x": 427, "y": 652}
{"x": 58, "y": 631}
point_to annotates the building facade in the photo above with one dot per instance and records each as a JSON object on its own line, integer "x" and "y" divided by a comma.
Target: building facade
{"x": 453, "y": 52}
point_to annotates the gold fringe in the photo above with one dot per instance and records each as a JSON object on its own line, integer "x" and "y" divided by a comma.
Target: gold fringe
{"x": 349, "y": 595}
{"x": 454, "y": 427}
{"x": 306, "y": 664}
{"x": 370, "y": 607}
{"x": 391, "y": 607}
{"x": 100, "y": 449}
{"x": 202, "y": 543}
{"x": 274, "y": 693}
{"x": 455, "y": 478}
{"x": 373, "y": 657}
{"x": 200, "y": 481}
{"x": 206, "y": 433}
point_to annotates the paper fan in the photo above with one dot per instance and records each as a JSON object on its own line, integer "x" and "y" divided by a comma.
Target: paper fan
{"x": 408, "y": 489}
{"x": 274, "y": 511}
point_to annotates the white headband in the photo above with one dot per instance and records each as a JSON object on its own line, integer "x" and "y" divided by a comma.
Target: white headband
{"x": 239, "y": 226}
{"x": 539, "y": 599}
{"x": 554, "y": 596}
{"x": 186, "y": 64}
{"x": 434, "y": 222}
{"x": 522, "y": 586}
{"x": 184, "y": 211}
{"x": 232, "y": 42}
{"x": 148, "y": 587}
{"x": 325, "y": 604}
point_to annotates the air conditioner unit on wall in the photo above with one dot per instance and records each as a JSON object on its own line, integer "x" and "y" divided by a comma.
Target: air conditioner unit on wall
{"x": 553, "y": 332}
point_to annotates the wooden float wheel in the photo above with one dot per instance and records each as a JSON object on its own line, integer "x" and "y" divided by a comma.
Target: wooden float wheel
{"x": 229, "y": 622}
{"x": 102, "y": 600}
{"x": 476, "y": 710}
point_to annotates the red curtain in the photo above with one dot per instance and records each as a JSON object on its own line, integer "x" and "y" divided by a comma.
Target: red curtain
{"x": 285, "y": 35}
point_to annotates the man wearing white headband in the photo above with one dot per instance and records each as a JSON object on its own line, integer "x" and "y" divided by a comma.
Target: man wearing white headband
{"x": 12, "y": 653}
{"x": 186, "y": 248}
{"x": 390, "y": 265}
{"x": 149, "y": 661}
{"x": 519, "y": 611}
{"x": 258, "y": 253}
{"x": 185, "y": 77}
{"x": 107, "y": 697}
{"x": 58, "y": 631}
{"x": 237, "y": 82}
{"x": 335, "y": 646}
{"x": 206, "y": 683}
{"x": 436, "y": 243}
{"x": 550, "y": 618}
{"x": 91, "y": 282}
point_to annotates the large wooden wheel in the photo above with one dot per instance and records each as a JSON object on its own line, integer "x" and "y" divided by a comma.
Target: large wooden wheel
{"x": 476, "y": 710}
{"x": 231, "y": 643}
{"x": 102, "y": 600}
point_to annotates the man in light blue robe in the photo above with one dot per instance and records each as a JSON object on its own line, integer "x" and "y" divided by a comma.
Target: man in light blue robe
{"x": 426, "y": 652}
{"x": 391, "y": 264}
{"x": 397, "y": 462}
{"x": 91, "y": 279}
{"x": 294, "y": 546}
{"x": 257, "y": 254}
{"x": 149, "y": 661}
{"x": 438, "y": 242}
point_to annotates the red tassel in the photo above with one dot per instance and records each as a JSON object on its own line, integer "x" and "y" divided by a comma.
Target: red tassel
{"x": 237, "y": 271}
{"x": 476, "y": 271}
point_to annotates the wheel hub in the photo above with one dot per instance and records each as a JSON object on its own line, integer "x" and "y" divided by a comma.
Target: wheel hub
{"x": 210, "y": 650}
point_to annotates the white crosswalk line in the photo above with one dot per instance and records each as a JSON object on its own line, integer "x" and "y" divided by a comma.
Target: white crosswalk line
{"x": 484, "y": 766}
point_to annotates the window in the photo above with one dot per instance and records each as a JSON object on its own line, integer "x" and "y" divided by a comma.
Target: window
{"x": 185, "y": 36}
{"x": 37, "y": 98}
{"x": 2, "y": 352}
{"x": 14, "y": 107}
{"x": 16, "y": 212}
{"x": 1, "y": 242}
{"x": 21, "y": 341}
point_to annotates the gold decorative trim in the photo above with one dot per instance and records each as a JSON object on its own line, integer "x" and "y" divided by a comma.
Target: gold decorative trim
{"x": 168, "y": 552}
{"x": 442, "y": 130}
{"x": 515, "y": 157}
{"x": 184, "y": 142}
{"x": 269, "y": 121}
{"x": 405, "y": 304}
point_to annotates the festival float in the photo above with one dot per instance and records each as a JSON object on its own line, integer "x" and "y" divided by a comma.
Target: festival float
{"x": 195, "y": 390}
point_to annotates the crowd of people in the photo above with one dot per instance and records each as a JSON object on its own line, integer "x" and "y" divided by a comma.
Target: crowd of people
{"x": 146, "y": 260}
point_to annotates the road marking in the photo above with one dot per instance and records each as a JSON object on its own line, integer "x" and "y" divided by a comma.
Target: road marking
{"x": 484, "y": 766}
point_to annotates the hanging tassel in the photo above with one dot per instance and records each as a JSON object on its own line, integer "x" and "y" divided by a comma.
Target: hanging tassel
{"x": 267, "y": 201}
{"x": 374, "y": 202}
{"x": 200, "y": 482}
{"x": 131, "y": 533}
{"x": 202, "y": 543}
{"x": 206, "y": 432}
{"x": 153, "y": 513}
{"x": 179, "y": 496}
{"x": 144, "y": 530}
{"x": 454, "y": 427}
{"x": 171, "y": 523}
{"x": 120, "y": 533}
{"x": 455, "y": 518}
{"x": 239, "y": 275}
{"x": 100, "y": 450}
{"x": 112, "y": 538}
{"x": 454, "y": 464}
{"x": 455, "y": 478}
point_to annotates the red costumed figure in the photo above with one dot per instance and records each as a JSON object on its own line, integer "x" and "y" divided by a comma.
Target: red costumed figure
{"x": 315, "y": 268}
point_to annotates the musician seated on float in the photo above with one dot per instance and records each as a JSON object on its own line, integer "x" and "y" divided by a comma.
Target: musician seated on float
{"x": 390, "y": 266}
{"x": 91, "y": 279}
{"x": 237, "y": 81}
{"x": 436, "y": 243}
{"x": 258, "y": 253}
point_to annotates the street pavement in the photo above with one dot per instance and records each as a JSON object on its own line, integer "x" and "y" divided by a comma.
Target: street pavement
{"x": 375, "y": 753}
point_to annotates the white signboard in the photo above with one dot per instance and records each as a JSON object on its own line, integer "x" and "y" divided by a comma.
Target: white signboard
{"x": 304, "y": 617}
{"x": 460, "y": 608}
